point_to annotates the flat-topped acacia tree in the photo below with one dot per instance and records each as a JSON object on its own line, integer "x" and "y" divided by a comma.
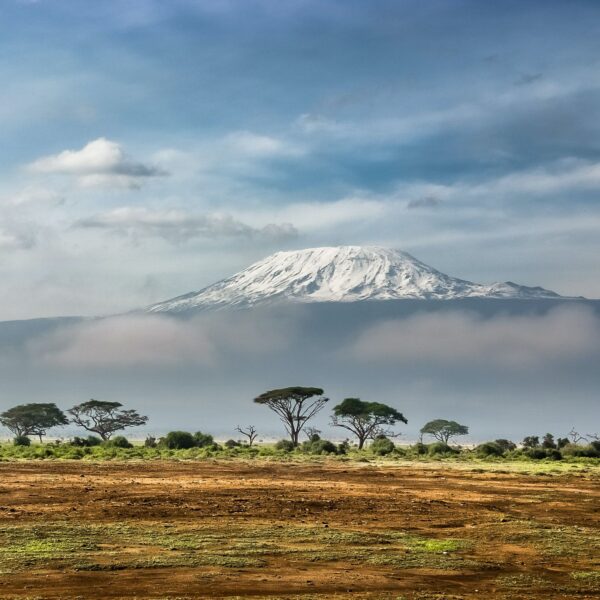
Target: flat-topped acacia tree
{"x": 33, "y": 419}
{"x": 104, "y": 418}
{"x": 366, "y": 420}
{"x": 443, "y": 431}
{"x": 294, "y": 406}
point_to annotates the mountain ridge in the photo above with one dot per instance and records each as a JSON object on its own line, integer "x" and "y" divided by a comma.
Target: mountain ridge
{"x": 340, "y": 274}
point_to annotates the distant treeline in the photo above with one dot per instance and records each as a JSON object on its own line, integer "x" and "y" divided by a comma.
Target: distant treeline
{"x": 372, "y": 422}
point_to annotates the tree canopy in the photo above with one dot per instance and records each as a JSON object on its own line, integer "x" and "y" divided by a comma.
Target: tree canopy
{"x": 104, "y": 418}
{"x": 443, "y": 430}
{"x": 366, "y": 420}
{"x": 32, "y": 419}
{"x": 294, "y": 406}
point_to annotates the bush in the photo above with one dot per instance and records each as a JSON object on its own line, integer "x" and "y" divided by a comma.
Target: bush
{"x": 232, "y": 444}
{"x": 575, "y": 450}
{"x": 553, "y": 454}
{"x": 150, "y": 442}
{"x": 203, "y": 440}
{"x": 506, "y": 445}
{"x": 382, "y": 445}
{"x": 440, "y": 448}
{"x": 285, "y": 445}
{"x": 596, "y": 446}
{"x": 343, "y": 447}
{"x": 489, "y": 449}
{"x": 420, "y": 448}
{"x": 179, "y": 440}
{"x": 319, "y": 446}
{"x": 88, "y": 442}
{"x": 119, "y": 441}
{"x": 536, "y": 453}
{"x": 22, "y": 440}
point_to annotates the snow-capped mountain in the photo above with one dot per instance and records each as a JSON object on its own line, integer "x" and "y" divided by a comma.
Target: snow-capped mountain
{"x": 340, "y": 274}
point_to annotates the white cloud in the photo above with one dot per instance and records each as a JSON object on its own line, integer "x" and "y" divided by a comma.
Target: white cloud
{"x": 250, "y": 144}
{"x": 99, "y": 163}
{"x": 180, "y": 226}
{"x": 142, "y": 340}
{"x": 566, "y": 334}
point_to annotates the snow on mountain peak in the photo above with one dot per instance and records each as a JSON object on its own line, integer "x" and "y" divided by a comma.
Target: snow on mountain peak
{"x": 340, "y": 274}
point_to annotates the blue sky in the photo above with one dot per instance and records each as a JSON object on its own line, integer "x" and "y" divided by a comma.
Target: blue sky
{"x": 150, "y": 147}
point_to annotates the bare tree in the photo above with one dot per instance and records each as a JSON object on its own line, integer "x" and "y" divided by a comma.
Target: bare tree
{"x": 312, "y": 432}
{"x": 575, "y": 436}
{"x": 249, "y": 432}
{"x": 593, "y": 437}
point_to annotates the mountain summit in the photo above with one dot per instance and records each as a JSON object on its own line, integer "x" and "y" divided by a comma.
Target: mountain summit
{"x": 340, "y": 274}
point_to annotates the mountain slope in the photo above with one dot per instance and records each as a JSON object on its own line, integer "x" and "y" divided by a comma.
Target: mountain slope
{"x": 340, "y": 274}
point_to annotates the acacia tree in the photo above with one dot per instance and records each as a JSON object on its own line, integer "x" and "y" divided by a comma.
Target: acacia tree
{"x": 249, "y": 432}
{"x": 104, "y": 418}
{"x": 443, "y": 430}
{"x": 33, "y": 419}
{"x": 366, "y": 420}
{"x": 294, "y": 406}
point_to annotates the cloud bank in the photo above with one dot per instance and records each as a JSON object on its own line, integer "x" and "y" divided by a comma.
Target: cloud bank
{"x": 467, "y": 340}
{"x": 179, "y": 226}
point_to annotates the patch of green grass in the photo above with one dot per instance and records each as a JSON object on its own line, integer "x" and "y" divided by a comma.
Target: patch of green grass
{"x": 593, "y": 576}
{"x": 121, "y": 546}
{"x": 522, "y": 581}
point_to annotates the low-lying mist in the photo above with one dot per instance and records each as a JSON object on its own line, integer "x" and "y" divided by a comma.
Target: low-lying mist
{"x": 504, "y": 368}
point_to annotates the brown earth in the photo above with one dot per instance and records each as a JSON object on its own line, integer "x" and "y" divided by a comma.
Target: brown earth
{"x": 235, "y": 529}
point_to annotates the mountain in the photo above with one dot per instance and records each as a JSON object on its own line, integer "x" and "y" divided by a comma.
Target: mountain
{"x": 340, "y": 274}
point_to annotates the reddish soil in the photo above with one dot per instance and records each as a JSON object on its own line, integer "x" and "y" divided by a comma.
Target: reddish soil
{"x": 520, "y": 536}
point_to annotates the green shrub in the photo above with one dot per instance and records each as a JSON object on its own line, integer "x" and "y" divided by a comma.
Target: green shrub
{"x": 179, "y": 440}
{"x": 440, "y": 448}
{"x": 343, "y": 447}
{"x": 553, "y": 454}
{"x": 88, "y": 442}
{"x": 575, "y": 450}
{"x": 22, "y": 440}
{"x": 231, "y": 444}
{"x": 204, "y": 440}
{"x": 536, "y": 453}
{"x": 285, "y": 445}
{"x": 506, "y": 445}
{"x": 382, "y": 445}
{"x": 489, "y": 449}
{"x": 419, "y": 448}
{"x": 150, "y": 442}
{"x": 319, "y": 446}
{"x": 119, "y": 441}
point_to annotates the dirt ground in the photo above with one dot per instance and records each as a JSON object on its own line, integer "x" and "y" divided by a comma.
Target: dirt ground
{"x": 234, "y": 529}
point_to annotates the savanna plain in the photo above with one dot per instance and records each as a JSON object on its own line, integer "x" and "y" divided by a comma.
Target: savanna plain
{"x": 299, "y": 529}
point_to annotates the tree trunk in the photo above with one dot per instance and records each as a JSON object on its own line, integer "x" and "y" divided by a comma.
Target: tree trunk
{"x": 361, "y": 442}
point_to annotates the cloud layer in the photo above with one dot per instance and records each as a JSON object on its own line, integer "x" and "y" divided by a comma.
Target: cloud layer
{"x": 178, "y": 226}
{"x": 505, "y": 375}
{"x": 469, "y": 341}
